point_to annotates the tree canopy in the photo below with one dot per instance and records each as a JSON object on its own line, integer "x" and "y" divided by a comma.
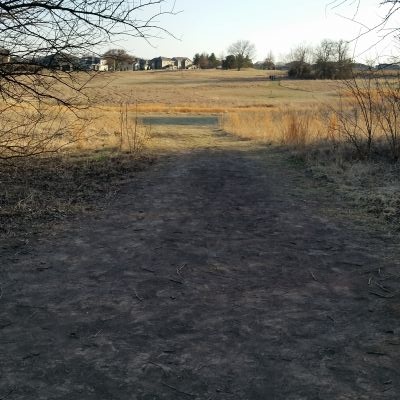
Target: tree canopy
{"x": 205, "y": 60}
{"x": 386, "y": 25}
{"x": 117, "y": 59}
{"x": 41, "y": 43}
{"x": 33, "y": 30}
{"x": 243, "y": 51}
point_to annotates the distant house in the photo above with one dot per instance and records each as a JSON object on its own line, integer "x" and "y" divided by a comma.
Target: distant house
{"x": 5, "y": 56}
{"x": 183, "y": 62}
{"x": 392, "y": 66}
{"x": 125, "y": 66}
{"x": 89, "y": 63}
{"x": 283, "y": 66}
{"x": 361, "y": 67}
{"x": 103, "y": 65}
{"x": 60, "y": 61}
{"x": 162, "y": 63}
{"x": 136, "y": 65}
{"x": 144, "y": 65}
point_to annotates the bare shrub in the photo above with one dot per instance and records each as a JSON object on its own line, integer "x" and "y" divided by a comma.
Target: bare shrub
{"x": 356, "y": 114}
{"x": 132, "y": 133}
{"x": 40, "y": 190}
{"x": 368, "y": 113}
{"x": 39, "y": 69}
{"x": 388, "y": 114}
{"x": 29, "y": 130}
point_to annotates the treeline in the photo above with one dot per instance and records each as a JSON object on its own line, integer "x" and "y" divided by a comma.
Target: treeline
{"x": 329, "y": 60}
{"x": 240, "y": 56}
{"x": 210, "y": 61}
{"x": 206, "y": 61}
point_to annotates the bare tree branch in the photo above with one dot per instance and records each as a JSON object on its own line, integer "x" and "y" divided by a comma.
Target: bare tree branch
{"x": 382, "y": 27}
{"x": 243, "y": 51}
{"x": 40, "y": 45}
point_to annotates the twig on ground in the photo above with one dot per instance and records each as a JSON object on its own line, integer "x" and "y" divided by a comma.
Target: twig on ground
{"x": 353, "y": 263}
{"x": 382, "y": 287}
{"x": 177, "y": 390}
{"x": 41, "y": 269}
{"x": 164, "y": 370}
{"x": 8, "y": 394}
{"x": 176, "y": 281}
{"x": 148, "y": 270}
{"x": 98, "y": 333}
{"x": 331, "y": 318}
{"x": 179, "y": 269}
{"x": 137, "y": 296}
{"x": 368, "y": 271}
{"x": 376, "y": 353}
{"x": 31, "y": 355}
{"x": 313, "y": 276}
{"x": 384, "y": 296}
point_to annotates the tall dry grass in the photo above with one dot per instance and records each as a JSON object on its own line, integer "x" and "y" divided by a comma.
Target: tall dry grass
{"x": 29, "y": 130}
{"x": 289, "y": 125}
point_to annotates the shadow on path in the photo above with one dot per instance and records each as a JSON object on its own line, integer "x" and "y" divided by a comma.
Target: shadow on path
{"x": 210, "y": 277}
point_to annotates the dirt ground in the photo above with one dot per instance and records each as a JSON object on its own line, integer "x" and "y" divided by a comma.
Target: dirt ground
{"x": 221, "y": 272}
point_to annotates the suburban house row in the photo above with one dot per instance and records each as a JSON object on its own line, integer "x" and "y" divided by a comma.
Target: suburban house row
{"x": 66, "y": 62}
{"x": 138, "y": 64}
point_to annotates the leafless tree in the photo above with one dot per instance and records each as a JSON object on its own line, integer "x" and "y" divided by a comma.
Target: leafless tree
{"x": 332, "y": 61}
{"x": 374, "y": 98}
{"x": 302, "y": 53}
{"x": 325, "y": 51}
{"x": 383, "y": 25}
{"x": 40, "y": 42}
{"x": 299, "y": 60}
{"x": 244, "y": 51}
{"x": 269, "y": 62}
{"x": 357, "y": 121}
{"x": 118, "y": 59}
{"x": 43, "y": 35}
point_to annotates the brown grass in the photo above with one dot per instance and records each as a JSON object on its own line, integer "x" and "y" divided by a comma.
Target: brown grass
{"x": 298, "y": 126}
{"x": 47, "y": 189}
{"x": 94, "y": 140}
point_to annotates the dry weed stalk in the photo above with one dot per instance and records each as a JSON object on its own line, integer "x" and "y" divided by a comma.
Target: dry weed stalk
{"x": 132, "y": 134}
{"x": 369, "y": 112}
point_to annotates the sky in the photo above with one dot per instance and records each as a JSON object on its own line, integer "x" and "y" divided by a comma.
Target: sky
{"x": 277, "y": 26}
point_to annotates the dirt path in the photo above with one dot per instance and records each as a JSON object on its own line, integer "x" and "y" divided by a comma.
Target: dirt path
{"x": 212, "y": 276}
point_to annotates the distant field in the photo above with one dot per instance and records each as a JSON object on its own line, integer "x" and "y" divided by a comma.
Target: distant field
{"x": 132, "y": 111}
{"x": 206, "y": 90}
{"x": 209, "y": 89}
{"x": 247, "y": 102}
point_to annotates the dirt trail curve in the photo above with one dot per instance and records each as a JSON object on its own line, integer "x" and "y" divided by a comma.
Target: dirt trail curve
{"x": 213, "y": 275}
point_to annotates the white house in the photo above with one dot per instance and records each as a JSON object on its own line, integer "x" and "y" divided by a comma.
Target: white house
{"x": 183, "y": 62}
{"x": 103, "y": 65}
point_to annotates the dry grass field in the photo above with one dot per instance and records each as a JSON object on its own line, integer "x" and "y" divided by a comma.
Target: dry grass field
{"x": 299, "y": 115}
{"x": 248, "y": 103}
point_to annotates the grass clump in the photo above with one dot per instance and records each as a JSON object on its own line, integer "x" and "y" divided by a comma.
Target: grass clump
{"x": 41, "y": 190}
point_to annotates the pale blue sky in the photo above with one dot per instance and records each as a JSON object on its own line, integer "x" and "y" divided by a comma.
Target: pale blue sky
{"x": 277, "y": 25}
